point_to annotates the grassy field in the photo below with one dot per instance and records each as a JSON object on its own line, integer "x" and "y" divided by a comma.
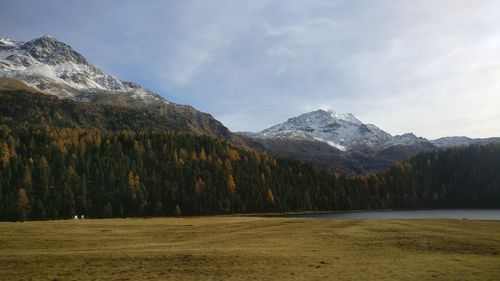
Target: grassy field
{"x": 250, "y": 248}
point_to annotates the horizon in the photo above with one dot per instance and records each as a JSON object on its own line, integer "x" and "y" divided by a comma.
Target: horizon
{"x": 254, "y": 74}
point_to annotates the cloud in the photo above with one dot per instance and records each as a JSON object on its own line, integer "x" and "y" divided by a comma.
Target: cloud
{"x": 423, "y": 66}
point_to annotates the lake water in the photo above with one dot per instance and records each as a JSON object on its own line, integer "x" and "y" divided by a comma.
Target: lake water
{"x": 489, "y": 214}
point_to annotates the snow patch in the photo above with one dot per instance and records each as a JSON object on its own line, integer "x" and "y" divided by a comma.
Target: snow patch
{"x": 331, "y": 143}
{"x": 348, "y": 117}
{"x": 7, "y": 41}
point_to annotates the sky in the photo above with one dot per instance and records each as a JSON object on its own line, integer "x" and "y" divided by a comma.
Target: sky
{"x": 427, "y": 67}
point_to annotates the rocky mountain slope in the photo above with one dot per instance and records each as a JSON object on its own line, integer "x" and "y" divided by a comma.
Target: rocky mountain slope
{"x": 52, "y": 67}
{"x": 55, "y": 68}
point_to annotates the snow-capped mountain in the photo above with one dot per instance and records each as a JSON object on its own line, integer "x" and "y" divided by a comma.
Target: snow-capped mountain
{"x": 447, "y": 142}
{"x": 409, "y": 139}
{"x": 452, "y": 141}
{"x": 337, "y": 141}
{"x": 342, "y": 131}
{"x": 52, "y": 67}
{"x": 55, "y": 68}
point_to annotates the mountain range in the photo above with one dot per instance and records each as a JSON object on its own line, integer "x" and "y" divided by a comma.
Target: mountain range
{"x": 341, "y": 141}
{"x": 342, "y": 131}
{"x": 89, "y": 97}
{"x": 345, "y": 132}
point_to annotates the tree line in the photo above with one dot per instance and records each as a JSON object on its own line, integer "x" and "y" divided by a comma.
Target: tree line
{"x": 52, "y": 173}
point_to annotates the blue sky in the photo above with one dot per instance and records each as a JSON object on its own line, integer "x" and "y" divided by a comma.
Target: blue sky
{"x": 428, "y": 67}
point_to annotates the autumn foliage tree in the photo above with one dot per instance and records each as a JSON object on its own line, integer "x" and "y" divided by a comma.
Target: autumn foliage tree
{"x": 98, "y": 173}
{"x": 231, "y": 186}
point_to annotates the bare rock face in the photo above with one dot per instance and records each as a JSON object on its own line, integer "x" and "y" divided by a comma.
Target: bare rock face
{"x": 50, "y": 51}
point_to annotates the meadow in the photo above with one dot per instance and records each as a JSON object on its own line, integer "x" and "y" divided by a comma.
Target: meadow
{"x": 249, "y": 248}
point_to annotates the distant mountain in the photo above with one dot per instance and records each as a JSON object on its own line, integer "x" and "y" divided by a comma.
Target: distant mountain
{"x": 342, "y": 131}
{"x": 341, "y": 141}
{"x": 52, "y": 67}
{"x": 447, "y": 142}
{"x": 337, "y": 141}
{"x": 324, "y": 155}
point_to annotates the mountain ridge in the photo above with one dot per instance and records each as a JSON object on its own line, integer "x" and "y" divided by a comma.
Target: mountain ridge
{"x": 341, "y": 130}
{"x": 51, "y": 67}
{"x": 55, "y": 68}
{"x": 352, "y": 146}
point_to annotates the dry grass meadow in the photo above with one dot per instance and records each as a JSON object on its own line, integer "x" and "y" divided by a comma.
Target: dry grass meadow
{"x": 250, "y": 248}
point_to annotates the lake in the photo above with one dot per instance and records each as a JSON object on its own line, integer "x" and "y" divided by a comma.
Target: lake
{"x": 474, "y": 214}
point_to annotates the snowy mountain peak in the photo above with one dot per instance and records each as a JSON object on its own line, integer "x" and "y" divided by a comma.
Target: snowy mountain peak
{"x": 4, "y": 41}
{"x": 341, "y": 130}
{"x": 348, "y": 117}
{"x": 55, "y": 68}
{"x": 447, "y": 142}
{"x": 408, "y": 139}
{"x": 49, "y": 50}
{"x": 407, "y": 136}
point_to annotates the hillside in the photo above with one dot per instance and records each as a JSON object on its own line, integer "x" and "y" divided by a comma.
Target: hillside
{"x": 49, "y": 66}
{"x": 76, "y": 140}
{"x": 21, "y": 107}
{"x": 57, "y": 173}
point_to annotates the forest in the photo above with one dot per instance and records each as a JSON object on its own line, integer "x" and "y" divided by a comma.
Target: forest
{"x": 56, "y": 173}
